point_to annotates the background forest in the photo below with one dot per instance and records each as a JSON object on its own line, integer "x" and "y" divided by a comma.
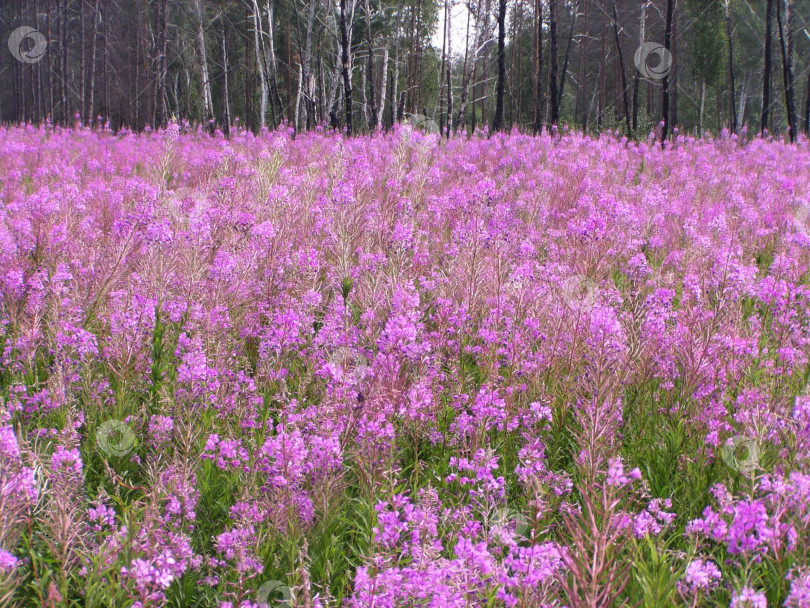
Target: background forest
{"x": 499, "y": 63}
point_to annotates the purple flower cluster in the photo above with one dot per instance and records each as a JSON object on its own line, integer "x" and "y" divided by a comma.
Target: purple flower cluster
{"x": 392, "y": 371}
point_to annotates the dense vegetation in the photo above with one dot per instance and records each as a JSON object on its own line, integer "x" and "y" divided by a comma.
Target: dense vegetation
{"x": 397, "y": 370}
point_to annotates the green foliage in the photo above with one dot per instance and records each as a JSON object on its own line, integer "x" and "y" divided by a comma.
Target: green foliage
{"x": 655, "y": 573}
{"x": 709, "y": 39}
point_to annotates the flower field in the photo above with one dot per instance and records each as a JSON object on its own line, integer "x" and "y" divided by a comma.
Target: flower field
{"x": 394, "y": 371}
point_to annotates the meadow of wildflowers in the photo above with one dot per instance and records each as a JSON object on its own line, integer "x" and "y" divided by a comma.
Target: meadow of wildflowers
{"x": 394, "y": 371}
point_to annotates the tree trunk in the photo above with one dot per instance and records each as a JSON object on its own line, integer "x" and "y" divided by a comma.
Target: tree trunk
{"x": 675, "y": 72}
{"x": 497, "y": 123}
{"x": 226, "y": 103}
{"x": 642, "y": 29}
{"x": 299, "y": 92}
{"x": 208, "y": 105}
{"x": 465, "y": 79}
{"x": 94, "y": 46}
{"x": 257, "y": 45}
{"x": 734, "y": 122}
{"x": 135, "y": 111}
{"x": 449, "y": 86}
{"x": 345, "y": 68}
{"x": 702, "y": 105}
{"x": 159, "y": 98}
{"x": 807, "y": 108}
{"x": 64, "y": 62}
{"x": 106, "y": 71}
{"x": 665, "y": 91}
{"x": 468, "y": 71}
{"x": 272, "y": 66}
{"x": 416, "y": 92}
{"x": 443, "y": 64}
{"x": 372, "y": 95}
{"x": 395, "y": 84}
{"x": 82, "y": 64}
{"x": 766, "y": 74}
{"x": 482, "y": 97}
{"x": 383, "y": 82}
{"x": 786, "y": 44}
{"x": 564, "y": 73}
{"x": 364, "y": 95}
{"x": 552, "y": 76}
{"x": 250, "y": 85}
{"x": 519, "y": 10}
{"x": 621, "y": 66}
{"x": 538, "y": 76}
{"x": 600, "y": 118}
{"x": 582, "y": 95}
{"x": 51, "y": 87}
{"x": 306, "y": 67}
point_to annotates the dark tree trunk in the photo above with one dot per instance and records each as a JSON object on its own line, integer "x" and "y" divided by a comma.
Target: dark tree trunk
{"x": 674, "y": 73}
{"x": 621, "y": 65}
{"x": 372, "y": 94}
{"x": 637, "y": 76}
{"x": 734, "y": 121}
{"x": 444, "y": 63}
{"x": 786, "y": 45}
{"x": 226, "y": 105}
{"x": 568, "y": 45}
{"x": 553, "y": 78}
{"x": 600, "y": 119}
{"x": 449, "y": 101}
{"x": 807, "y": 108}
{"x": 93, "y": 55}
{"x": 665, "y": 91}
{"x": 63, "y": 62}
{"x": 583, "y": 56}
{"x": 766, "y": 74}
{"x": 497, "y": 123}
{"x": 275, "y": 96}
{"x": 344, "y": 59}
{"x": 82, "y": 64}
{"x": 158, "y": 99}
{"x": 538, "y": 77}
{"x": 51, "y": 93}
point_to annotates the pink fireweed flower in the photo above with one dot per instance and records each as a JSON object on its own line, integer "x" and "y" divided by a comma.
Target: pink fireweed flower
{"x": 700, "y": 576}
{"x": 616, "y": 475}
{"x": 748, "y": 598}
{"x": 7, "y": 561}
